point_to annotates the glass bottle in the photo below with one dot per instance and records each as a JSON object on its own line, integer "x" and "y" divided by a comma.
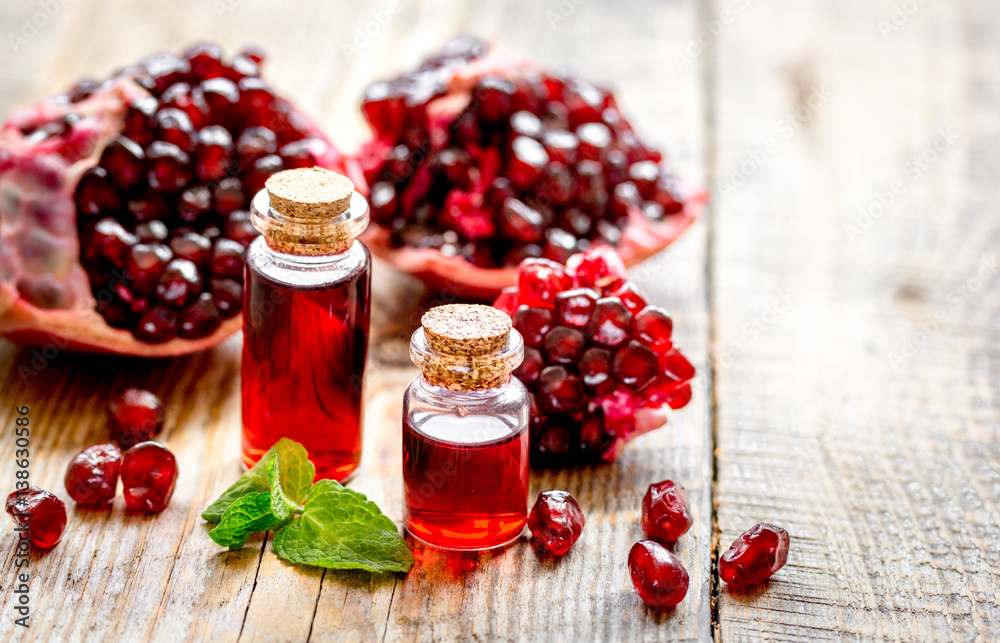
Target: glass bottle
{"x": 305, "y": 320}
{"x": 465, "y": 431}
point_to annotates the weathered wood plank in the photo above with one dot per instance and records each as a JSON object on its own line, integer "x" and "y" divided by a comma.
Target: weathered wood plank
{"x": 884, "y": 469}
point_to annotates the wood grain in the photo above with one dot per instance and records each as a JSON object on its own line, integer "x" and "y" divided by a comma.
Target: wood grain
{"x": 883, "y": 470}
{"x": 133, "y": 577}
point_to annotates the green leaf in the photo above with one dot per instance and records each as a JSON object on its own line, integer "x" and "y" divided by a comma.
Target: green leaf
{"x": 282, "y": 506}
{"x": 342, "y": 529}
{"x": 297, "y": 474}
{"x": 249, "y": 514}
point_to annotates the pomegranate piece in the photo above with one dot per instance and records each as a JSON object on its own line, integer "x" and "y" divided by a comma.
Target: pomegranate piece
{"x": 545, "y": 164}
{"x": 755, "y": 556}
{"x": 600, "y": 374}
{"x": 92, "y": 476}
{"x": 556, "y": 522}
{"x": 159, "y": 156}
{"x": 665, "y": 512}
{"x": 657, "y": 575}
{"x": 40, "y": 512}
{"x": 135, "y": 416}
{"x": 149, "y": 472}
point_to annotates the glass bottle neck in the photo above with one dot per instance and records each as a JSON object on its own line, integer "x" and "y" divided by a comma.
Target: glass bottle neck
{"x": 463, "y": 396}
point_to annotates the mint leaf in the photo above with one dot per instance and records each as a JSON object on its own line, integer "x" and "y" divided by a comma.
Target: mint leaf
{"x": 342, "y": 529}
{"x": 297, "y": 474}
{"x": 249, "y": 514}
{"x": 282, "y": 506}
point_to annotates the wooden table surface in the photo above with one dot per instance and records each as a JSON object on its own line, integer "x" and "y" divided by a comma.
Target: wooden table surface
{"x": 841, "y": 301}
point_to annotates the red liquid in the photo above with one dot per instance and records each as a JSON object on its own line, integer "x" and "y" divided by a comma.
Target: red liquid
{"x": 303, "y": 362}
{"x": 464, "y": 495}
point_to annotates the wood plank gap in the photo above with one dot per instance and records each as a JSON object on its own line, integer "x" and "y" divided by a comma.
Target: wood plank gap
{"x": 246, "y": 612}
{"x": 319, "y": 593}
{"x": 708, "y": 72}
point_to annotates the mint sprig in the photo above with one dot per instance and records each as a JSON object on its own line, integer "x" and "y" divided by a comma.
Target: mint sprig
{"x": 297, "y": 476}
{"x": 336, "y": 527}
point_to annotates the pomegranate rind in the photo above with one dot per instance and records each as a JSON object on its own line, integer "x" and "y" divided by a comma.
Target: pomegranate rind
{"x": 74, "y": 324}
{"x": 641, "y": 239}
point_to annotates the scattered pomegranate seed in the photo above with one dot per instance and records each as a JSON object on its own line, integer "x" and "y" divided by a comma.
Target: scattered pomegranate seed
{"x": 556, "y": 522}
{"x": 657, "y": 574}
{"x": 755, "y": 556}
{"x": 149, "y": 472}
{"x": 41, "y": 512}
{"x": 92, "y": 476}
{"x": 135, "y": 416}
{"x": 665, "y": 512}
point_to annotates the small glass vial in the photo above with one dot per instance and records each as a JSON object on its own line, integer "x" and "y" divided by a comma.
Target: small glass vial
{"x": 305, "y": 320}
{"x": 465, "y": 431}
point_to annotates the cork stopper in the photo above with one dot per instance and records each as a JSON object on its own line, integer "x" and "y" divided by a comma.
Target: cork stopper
{"x": 466, "y": 329}
{"x": 309, "y": 211}
{"x": 466, "y": 347}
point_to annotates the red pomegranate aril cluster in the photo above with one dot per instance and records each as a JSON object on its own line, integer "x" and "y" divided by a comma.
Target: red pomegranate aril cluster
{"x": 163, "y": 216}
{"x": 536, "y": 165}
{"x": 595, "y": 355}
{"x": 92, "y": 476}
{"x": 666, "y": 515}
{"x": 755, "y": 556}
{"x": 40, "y": 512}
{"x": 149, "y": 473}
{"x": 135, "y": 416}
{"x": 555, "y": 522}
{"x": 657, "y": 574}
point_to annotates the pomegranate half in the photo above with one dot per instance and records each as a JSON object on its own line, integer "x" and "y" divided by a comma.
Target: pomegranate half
{"x": 123, "y": 203}
{"x": 481, "y": 160}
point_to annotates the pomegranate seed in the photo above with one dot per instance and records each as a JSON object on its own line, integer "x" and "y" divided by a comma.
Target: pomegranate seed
{"x": 240, "y": 229}
{"x": 174, "y": 126}
{"x": 194, "y": 203}
{"x": 556, "y": 522}
{"x": 228, "y": 296}
{"x": 157, "y": 325}
{"x": 559, "y": 245}
{"x": 152, "y": 231}
{"x": 96, "y": 194}
{"x": 520, "y": 222}
{"x": 205, "y": 60}
{"x": 149, "y": 472}
{"x": 200, "y": 318}
{"x": 168, "y": 167}
{"x": 653, "y": 327}
{"x": 528, "y": 159}
{"x": 41, "y": 512}
{"x": 531, "y": 366}
{"x": 145, "y": 265}
{"x": 634, "y": 365}
{"x": 525, "y": 123}
{"x": 600, "y": 267}
{"x": 657, "y": 575}
{"x": 179, "y": 284}
{"x": 595, "y": 368}
{"x": 109, "y": 241}
{"x": 215, "y": 153}
{"x": 755, "y": 556}
{"x": 561, "y": 146}
{"x": 533, "y": 324}
{"x": 564, "y": 345}
{"x": 540, "y": 280}
{"x": 665, "y": 512}
{"x": 92, "y": 476}
{"x": 644, "y": 175}
{"x": 148, "y": 206}
{"x": 560, "y": 392}
{"x": 222, "y": 96}
{"x": 493, "y": 95}
{"x": 193, "y": 247}
{"x": 594, "y": 139}
{"x": 255, "y": 143}
{"x": 574, "y": 307}
{"x": 227, "y": 259}
{"x": 630, "y": 296}
{"x": 675, "y": 367}
{"x": 135, "y": 416}
{"x": 610, "y": 322}
{"x": 507, "y": 301}
{"x": 123, "y": 160}
{"x": 678, "y": 398}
